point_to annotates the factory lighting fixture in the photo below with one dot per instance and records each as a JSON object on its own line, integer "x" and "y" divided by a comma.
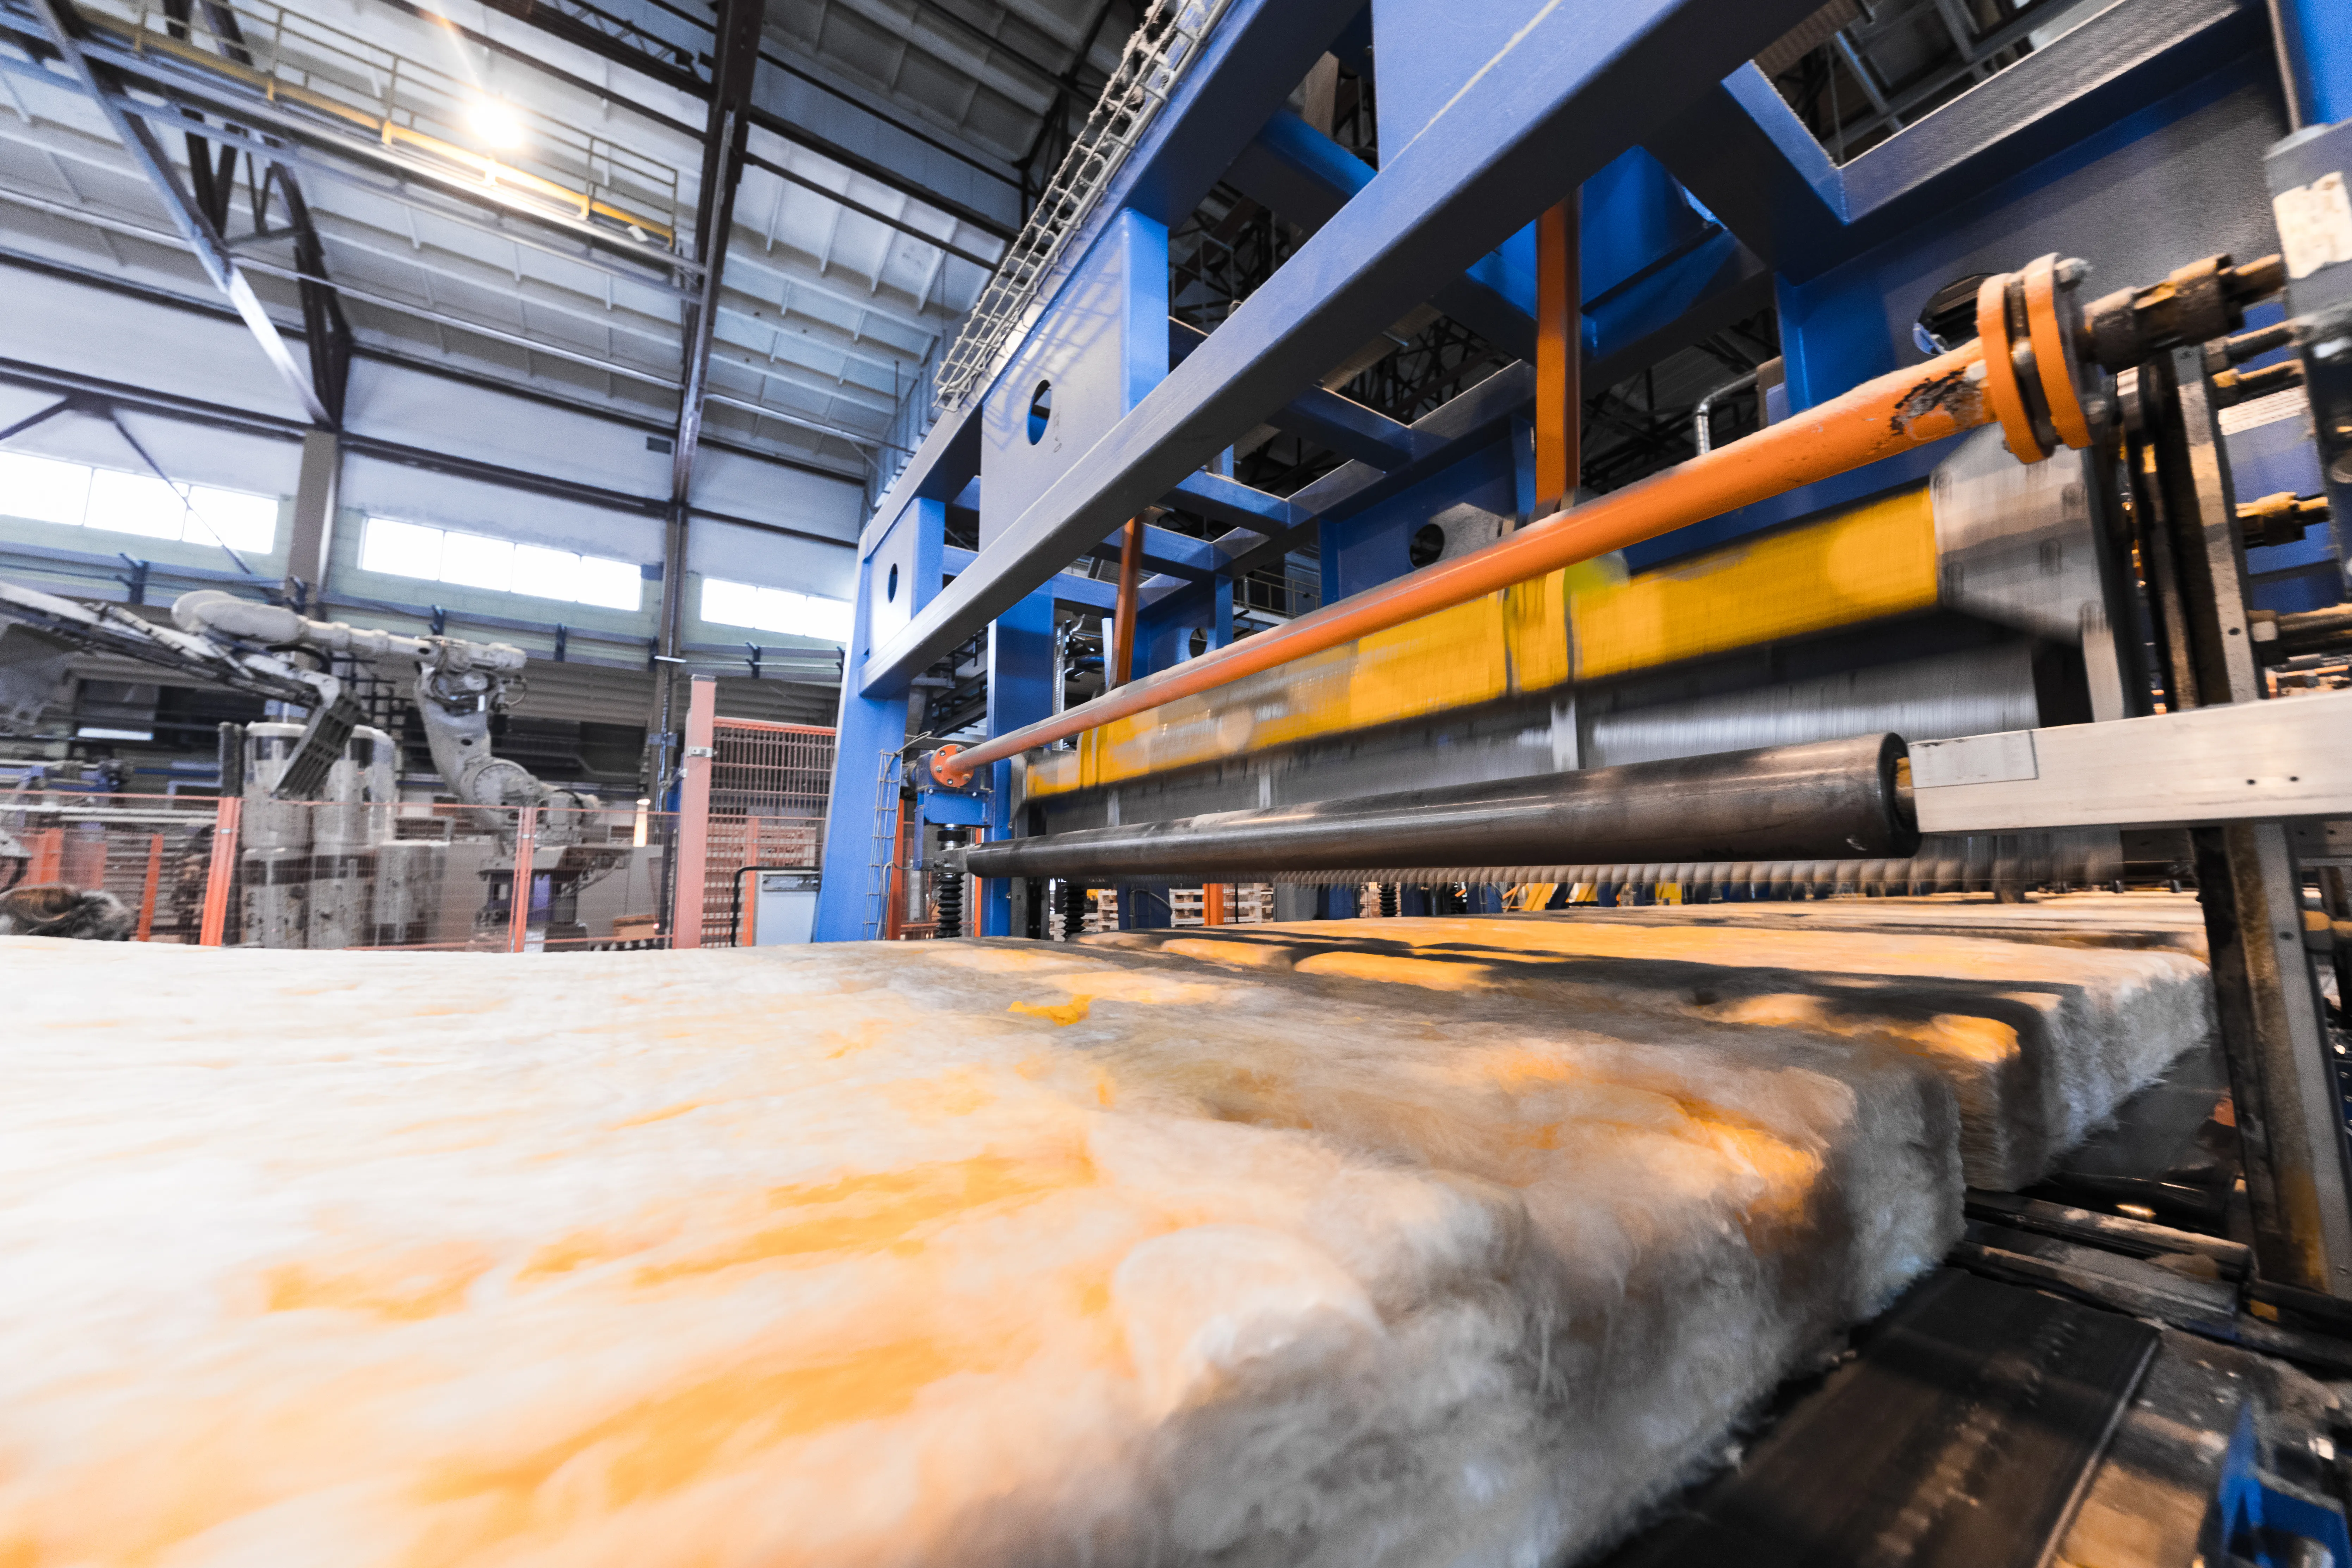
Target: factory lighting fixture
{"x": 497, "y": 123}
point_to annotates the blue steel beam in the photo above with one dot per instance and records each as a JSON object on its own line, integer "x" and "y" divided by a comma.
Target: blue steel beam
{"x": 1745, "y": 154}
{"x": 1339, "y": 424}
{"x": 1165, "y": 551}
{"x": 1079, "y": 592}
{"x": 1221, "y": 499}
{"x": 1307, "y": 177}
{"x": 1254, "y": 58}
{"x": 1573, "y": 88}
{"x": 1460, "y": 430}
{"x": 2319, "y": 46}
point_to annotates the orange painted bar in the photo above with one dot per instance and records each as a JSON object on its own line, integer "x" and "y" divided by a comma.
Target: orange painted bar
{"x": 525, "y": 864}
{"x": 48, "y": 857}
{"x": 1877, "y": 419}
{"x": 1560, "y": 346}
{"x": 750, "y": 929}
{"x": 693, "y": 816}
{"x": 1130, "y": 581}
{"x": 218, "y": 874}
{"x": 147, "y": 892}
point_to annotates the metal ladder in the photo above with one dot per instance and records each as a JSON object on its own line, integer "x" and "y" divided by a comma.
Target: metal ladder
{"x": 1158, "y": 54}
{"x": 886, "y": 841}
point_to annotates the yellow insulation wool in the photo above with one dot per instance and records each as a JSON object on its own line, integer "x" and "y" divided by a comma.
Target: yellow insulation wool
{"x": 935, "y": 1253}
{"x": 2040, "y": 1042}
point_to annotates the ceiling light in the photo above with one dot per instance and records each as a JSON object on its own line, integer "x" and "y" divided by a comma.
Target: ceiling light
{"x": 496, "y": 124}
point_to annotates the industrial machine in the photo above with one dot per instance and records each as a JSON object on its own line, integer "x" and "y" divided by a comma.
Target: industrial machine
{"x": 323, "y": 860}
{"x": 2032, "y": 577}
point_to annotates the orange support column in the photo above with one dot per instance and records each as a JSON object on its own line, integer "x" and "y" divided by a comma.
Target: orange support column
{"x": 1559, "y": 358}
{"x": 525, "y": 864}
{"x": 748, "y": 927}
{"x": 1213, "y": 903}
{"x": 893, "y": 913}
{"x": 694, "y": 815}
{"x": 49, "y": 855}
{"x": 147, "y": 892}
{"x": 1121, "y": 667}
{"x": 217, "y": 874}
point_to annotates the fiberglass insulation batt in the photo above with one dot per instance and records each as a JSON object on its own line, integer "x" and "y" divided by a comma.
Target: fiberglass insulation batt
{"x": 2040, "y": 1042}
{"x": 955, "y": 1252}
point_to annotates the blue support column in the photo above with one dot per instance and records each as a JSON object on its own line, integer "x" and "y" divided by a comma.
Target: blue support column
{"x": 1020, "y": 693}
{"x": 2319, "y": 43}
{"x": 898, "y": 575}
{"x": 1143, "y": 905}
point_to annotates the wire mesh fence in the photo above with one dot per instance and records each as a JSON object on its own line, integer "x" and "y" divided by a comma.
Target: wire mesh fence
{"x": 428, "y": 876}
{"x": 152, "y": 852}
{"x": 768, "y": 786}
{"x": 346, "y": 874}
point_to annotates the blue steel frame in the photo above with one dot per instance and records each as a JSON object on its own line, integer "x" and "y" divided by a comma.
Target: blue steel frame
{"x": 2135, "y": 141}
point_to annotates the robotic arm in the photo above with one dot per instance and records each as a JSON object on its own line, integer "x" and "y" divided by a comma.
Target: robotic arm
{"x": 458, "y": 686}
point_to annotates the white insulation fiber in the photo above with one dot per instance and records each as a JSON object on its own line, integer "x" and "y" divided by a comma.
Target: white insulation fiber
{"x": 2040, "y": 1042}
{"x": 936, "y": 1253}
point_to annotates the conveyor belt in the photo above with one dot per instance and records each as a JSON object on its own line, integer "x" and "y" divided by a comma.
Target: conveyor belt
{"x": 1961, "y": 1439}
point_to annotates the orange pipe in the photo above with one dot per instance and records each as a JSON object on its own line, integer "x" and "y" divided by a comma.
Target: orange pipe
{"x": 1213, "y": 904}
{"x": 1877, "y": 419}
{"x": 1130, "y": 581}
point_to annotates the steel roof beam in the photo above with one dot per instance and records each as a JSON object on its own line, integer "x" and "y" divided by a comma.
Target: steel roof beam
{"x": 1573, "y": 88}
{"x": 65, "y": 30}
{"x": 714, "y": 218}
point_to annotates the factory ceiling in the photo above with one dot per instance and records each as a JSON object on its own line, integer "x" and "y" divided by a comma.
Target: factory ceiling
{"x": 509, "y": 191}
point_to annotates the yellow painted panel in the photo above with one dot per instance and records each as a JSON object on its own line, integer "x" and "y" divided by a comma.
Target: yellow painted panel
{"x": 1877, "y": 560}
{"x": 1535, "y": 622}
{"x": 1442, "y": 660}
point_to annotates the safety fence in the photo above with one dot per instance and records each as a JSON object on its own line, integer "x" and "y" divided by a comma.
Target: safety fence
{"x": 768, "y": 786}
{"x": 369, "y": 871}
{"x": 152, "y": 852}
{"x": 256, "y": 872}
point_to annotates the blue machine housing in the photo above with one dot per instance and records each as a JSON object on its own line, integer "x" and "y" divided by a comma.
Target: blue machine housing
{"x": 2136, "y": 141}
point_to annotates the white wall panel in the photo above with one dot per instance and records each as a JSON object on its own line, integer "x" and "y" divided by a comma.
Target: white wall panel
{"x": 67, "y": 326}
{"x": 769, "y": 492}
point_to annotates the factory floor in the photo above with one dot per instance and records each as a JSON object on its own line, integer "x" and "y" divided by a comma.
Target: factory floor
{"x": 1401, "y": 1242}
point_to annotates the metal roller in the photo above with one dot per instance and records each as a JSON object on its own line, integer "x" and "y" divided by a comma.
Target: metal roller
{"x": 1822, "y": 800}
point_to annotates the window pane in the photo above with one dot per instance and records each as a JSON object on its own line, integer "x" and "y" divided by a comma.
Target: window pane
{"x": 135, "y": 503}
{"x": 615, "y": 585}
{"x": 43, "y": 489}
{"x": 731, "y": 604}
{"x": 547, "y": 574}
{"x": 780, "y": 610}
{"x": 803, "y": 614}
{"x": 828, "y": 618}
{"x": 472, "y": 561}
{"x": 402, "y": 549}
{"x": 243, "y": 521}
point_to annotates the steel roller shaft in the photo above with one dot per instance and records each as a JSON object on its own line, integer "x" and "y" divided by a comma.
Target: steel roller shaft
{"x": 1822, "y": 800}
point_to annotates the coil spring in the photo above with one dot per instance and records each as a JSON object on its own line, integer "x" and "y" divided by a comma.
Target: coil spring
{"x": 1074, "y": 911}
{"x": 1388, "y": 900}
{"x": 952, "y": 905}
